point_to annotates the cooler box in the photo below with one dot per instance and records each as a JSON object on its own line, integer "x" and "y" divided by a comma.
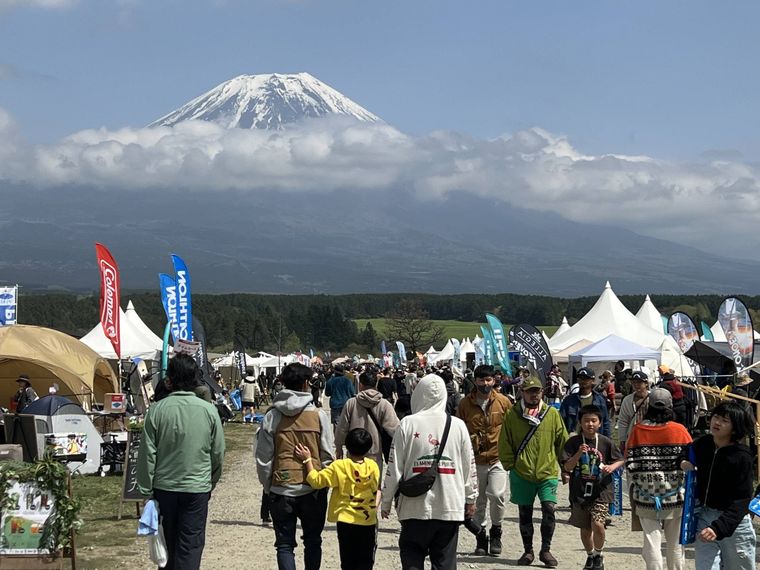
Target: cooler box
{"x": 114, "y": 403}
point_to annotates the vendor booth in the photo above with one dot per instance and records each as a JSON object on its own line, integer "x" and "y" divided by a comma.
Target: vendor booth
{"x": 51, "y": 357}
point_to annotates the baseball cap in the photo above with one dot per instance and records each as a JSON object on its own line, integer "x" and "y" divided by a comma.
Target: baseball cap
{"x": 531, "y": 382}
{"x": 586, "y": 372}
{"x": 661, "y": 399}
{"x": 639, "y": 375}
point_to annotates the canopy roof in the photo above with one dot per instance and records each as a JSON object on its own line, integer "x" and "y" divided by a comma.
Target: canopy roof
{"x": 138, "y": 324}
{"x": 608, "y": 316}
{"x": 612, "y": 348}
{"x": 133, "y": 343}
{"x": 649, "y": 315}
{"x": 564, "y": 326}
{"x": 48, "y": 357}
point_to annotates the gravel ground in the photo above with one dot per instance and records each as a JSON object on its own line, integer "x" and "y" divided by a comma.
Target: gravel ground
{"x": 236, "y": 538}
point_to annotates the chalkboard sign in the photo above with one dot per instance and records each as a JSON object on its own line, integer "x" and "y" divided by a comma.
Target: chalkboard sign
{"x": 130, "y": 492}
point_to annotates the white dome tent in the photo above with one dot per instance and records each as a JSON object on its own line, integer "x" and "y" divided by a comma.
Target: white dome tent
{"x": 612, "y": 348}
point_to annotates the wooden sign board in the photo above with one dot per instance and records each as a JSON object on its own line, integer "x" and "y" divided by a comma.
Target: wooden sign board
{"x": 129, "y": 490}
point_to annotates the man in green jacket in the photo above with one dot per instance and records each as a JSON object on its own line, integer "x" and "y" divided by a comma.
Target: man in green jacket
{"x": 180, "y": 461}
{"x": 532, "y": 458}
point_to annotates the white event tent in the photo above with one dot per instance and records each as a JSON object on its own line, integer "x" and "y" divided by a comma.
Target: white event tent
{"x": 562, "y": 327}
{"x": 141, "y": 327}
{"x": 612, "y": 348}
{"x": 134, "y": 343}
{"x": 720, "y": 336}
{"x": 608, "y": 316}
{"x": 649, "y": 315}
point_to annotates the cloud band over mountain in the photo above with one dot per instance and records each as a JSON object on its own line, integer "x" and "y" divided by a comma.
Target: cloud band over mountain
{"x": 709, "y": 204}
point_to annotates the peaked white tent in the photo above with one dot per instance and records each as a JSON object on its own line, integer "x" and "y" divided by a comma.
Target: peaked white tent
{"x": 464, "y": 349}
{"x": 562, "y": 328}
{"x": 608, "y": 316}
{"x": 133, "y": 343}
{"x": 674, "y": 359}
{"x": 446, "y": 354}
{"x": 229, "y": 360}
{"x": 612, "y": 348}
{"x": 141, "y": 327}
{"x": 649, "y": 315}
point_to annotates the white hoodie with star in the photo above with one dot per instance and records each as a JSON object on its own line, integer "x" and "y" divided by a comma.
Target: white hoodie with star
{"x": 415, "y": 445}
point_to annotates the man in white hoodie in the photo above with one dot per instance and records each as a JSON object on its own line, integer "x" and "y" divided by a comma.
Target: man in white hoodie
{"x": 430, "y": 522}
{"x": 293, "y": 419}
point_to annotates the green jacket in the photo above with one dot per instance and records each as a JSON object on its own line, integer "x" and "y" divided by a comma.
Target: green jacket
{"x": 539, "y": 460}
{"x": 182, "y": 446}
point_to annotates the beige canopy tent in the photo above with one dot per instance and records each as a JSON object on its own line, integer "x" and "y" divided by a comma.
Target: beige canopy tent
{"x": 51, "y": 357}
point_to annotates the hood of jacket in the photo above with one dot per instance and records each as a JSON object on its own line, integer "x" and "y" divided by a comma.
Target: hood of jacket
{"x": 290, "y": 402}
{"x": 430, "y": 395}
{"x": 369, "y": 398}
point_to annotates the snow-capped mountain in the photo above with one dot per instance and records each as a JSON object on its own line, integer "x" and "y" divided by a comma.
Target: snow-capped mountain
{"x": 267, "y": 101}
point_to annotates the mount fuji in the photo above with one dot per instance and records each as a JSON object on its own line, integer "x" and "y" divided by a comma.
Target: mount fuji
{"x": 267, "y": 101}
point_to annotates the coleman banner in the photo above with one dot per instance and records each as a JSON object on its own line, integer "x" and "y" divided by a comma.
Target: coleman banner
{"x": 109, "y": 297}
{"x": 737, "y": 325}
{"x": 184, "y": 301}
{"x": 532, "y": 345}
{"x": 500, "y": 343}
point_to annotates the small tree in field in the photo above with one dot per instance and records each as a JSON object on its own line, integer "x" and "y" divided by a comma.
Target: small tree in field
{"x": 410, "y": 324}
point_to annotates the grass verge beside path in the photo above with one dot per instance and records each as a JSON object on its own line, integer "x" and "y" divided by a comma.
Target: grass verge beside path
{"x": 104, "y": 542}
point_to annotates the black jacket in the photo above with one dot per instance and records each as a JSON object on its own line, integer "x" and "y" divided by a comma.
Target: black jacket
{"x": 724, "y": 482}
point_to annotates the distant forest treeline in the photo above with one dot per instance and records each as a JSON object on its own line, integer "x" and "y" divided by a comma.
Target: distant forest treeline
{"x": 325, "y": 322}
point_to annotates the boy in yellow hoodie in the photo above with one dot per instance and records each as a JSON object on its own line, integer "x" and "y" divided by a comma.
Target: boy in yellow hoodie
{"x": 353, "y": 502}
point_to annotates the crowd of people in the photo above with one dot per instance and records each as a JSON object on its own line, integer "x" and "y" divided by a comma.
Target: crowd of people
{"x": 444, "y": 453}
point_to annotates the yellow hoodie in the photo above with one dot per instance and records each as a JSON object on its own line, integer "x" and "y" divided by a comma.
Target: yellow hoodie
{"x": 354, "y": 488}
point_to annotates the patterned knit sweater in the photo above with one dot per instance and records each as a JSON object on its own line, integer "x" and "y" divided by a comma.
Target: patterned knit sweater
{"x": 652, "y": 454}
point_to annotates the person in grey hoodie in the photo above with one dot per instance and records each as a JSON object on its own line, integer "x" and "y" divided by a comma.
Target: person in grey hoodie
{"x": 294, "y": 419}
{"x": 356, "y": 414}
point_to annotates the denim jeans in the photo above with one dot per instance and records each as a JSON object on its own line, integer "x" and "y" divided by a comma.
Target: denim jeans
{"x": 736, "y": 552}
{"x": 286, "y": 512}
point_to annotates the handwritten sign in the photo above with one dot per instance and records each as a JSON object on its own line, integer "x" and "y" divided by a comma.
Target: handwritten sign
{"x": 21, "y": 525}
{"x": 130, "y": 492}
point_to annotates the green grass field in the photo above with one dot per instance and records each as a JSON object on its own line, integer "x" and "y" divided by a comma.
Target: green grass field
{"x": 452, "y": 329}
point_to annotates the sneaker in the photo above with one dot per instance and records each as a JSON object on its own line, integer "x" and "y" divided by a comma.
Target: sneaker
{"x": 598, "y": 562}
{"x": 526, "y": 559}
{"x": 481, "y": 548}
{"x": 548, "y": 559}
{"x": 589, "y": 565}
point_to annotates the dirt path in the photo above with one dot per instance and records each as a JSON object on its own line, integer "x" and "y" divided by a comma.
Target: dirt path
{"x": 235, "y": 537}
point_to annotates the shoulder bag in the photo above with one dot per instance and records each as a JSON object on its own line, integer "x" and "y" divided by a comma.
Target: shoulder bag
{"x": 422, "y": 482}
{"x": 385, "y": 438}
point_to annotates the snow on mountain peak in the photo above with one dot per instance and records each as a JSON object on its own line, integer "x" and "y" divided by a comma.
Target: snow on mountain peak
{"x": 267, "y": 101}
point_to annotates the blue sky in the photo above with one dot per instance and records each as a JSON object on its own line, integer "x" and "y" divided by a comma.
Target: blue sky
{"x": 667, "y": 79}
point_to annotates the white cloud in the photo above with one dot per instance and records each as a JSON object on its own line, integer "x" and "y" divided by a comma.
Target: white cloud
{"x": 7, "y": 4}
{"x": 706, "y": 203}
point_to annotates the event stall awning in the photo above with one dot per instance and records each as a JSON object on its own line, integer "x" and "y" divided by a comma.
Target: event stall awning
{"x": 612, "y": 348}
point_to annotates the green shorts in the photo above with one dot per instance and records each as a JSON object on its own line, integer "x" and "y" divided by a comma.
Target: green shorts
{"x": 524, "y": 492}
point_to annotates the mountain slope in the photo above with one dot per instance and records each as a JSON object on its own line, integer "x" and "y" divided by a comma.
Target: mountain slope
{"x": 268, "y": 101}
{"x": 341, "y": 242}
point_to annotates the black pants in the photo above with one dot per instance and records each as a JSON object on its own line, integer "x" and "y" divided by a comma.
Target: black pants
{"x": 183, "y": 516}
{"x": 357, "y": 546}
{"x": 286, "y": 512}
{"x": 422, "y": 538}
